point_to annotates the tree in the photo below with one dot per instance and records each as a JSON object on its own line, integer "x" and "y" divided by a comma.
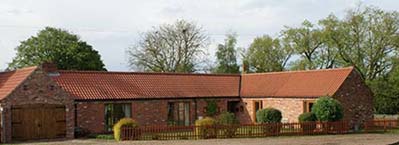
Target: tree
{"x": 59, "y": 46}
{"x": 266, "y": 54}
{"x": 386, "y": 92}
{"x": 305, "y": 41}
{"x": 169, "y": 48}
{"x": 367, "y": 39}
{"x": 226, "y": 56}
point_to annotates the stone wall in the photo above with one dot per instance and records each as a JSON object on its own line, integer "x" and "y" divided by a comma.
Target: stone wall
{"x": 38, "y": 88}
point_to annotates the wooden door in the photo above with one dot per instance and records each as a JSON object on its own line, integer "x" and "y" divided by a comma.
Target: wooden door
{"x": 41, "y": 121}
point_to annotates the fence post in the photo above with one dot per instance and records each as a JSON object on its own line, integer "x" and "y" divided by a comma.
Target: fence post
{"x": 385, "y": 125}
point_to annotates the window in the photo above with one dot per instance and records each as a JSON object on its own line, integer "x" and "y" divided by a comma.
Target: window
{"x": 257, "y": 106}
{"x": 232, "y": 106}
{"x": 179, "y": 113}
{"x": 308, "y": 106}
{"x": 115, "y": 112}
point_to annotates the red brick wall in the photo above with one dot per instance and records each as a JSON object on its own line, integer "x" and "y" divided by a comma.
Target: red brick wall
{"x": 41, "y": 89}
{"x": 90, "y": 115}
{"x": 356, "y": 98}
{"x": 150, "y": 112}
{"x": 354, "y": 95}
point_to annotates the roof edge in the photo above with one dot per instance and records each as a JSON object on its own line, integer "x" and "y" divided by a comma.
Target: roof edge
{"x": 34, "y": 68}
{"x": 144, "y": 73}
{"x": 306, "y": 71}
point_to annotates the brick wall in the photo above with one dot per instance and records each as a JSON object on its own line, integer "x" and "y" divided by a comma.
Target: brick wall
{"x": 356, "y": 98}
{"x": 290, "y": 108}
{"x": 90, "y": 115}
{"x": 39, "y": 89}
{"x": 150, "y": 112}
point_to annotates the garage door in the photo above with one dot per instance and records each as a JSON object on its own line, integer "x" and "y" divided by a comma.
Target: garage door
{"x": 39, "y": 121}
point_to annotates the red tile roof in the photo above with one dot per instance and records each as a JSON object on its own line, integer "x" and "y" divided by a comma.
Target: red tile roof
{"x": 123, "y": 85}
{"x": 313, "y": 83}
{"x": 10, "y": 80}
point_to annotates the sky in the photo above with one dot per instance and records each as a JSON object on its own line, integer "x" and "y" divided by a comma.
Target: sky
{"x": 112, "y": 26}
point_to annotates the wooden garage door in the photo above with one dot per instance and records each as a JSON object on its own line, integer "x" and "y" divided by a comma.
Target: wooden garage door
{"x": 39, "y": 121}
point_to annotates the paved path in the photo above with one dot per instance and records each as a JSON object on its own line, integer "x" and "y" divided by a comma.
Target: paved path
{"x": 353, "y": 139}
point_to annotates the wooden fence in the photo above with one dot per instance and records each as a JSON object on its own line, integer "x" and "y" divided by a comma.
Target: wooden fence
{"x": 249, "y": 130}
{"x": 380, "y": 125}
{"x": 233, "y": 131}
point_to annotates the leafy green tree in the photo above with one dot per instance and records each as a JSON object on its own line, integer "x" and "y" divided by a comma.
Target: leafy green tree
{"x": 367, "y": 39}
{"x": 59, "y": 46}
{"x": 266, "y": 54}
{"x": 226, "y": 56}
{"x": 386, "y": 92}
{"x": 173, "y": 47}
{"x": 306, "y": 41}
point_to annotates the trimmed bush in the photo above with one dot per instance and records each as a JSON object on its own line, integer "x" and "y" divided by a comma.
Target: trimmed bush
{"x": 229, "y": 122}
{"x": 307, "y": 121}
{"x": 204, "y": 128}
{"x": 307, "y": 117}
{"x": 128, "y": 122}
{"x": 271, "y": 118}
{"x": 268, "y": 115}
{"x": 328, "y": 109}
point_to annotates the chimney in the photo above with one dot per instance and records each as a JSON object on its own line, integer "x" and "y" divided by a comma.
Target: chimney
{"x": 49, "y": 67}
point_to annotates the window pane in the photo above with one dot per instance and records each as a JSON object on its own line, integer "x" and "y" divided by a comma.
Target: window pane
{"x": 115, "y": 112}
{"x": 181, "y": 113}
{"x": 171, "y": 116}
{"x": 127, "y": 110}
{"x": 310, "y": 107}
{"x": 108, "y": 117}
{"x": 187, "y": 114}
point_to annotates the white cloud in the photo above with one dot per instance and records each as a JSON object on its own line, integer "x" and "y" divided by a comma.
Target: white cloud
{"x": 112, "y": 26}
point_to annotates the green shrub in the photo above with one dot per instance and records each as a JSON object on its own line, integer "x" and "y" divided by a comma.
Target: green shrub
{"x": 128, "y": 122}
{"x": 271, "y": 118}
{"x": 307, "y": 117}
{"x": 204, "y": 127}
{"x": 227, "y": 118}
{"x": 328, "y": 109}
{"x": 102, "y": 136}
{"x": 211, "y": 108}
{"x": 268, "y": 115}
{"x": 229, "y": 122}
{"x": 307, "y": 121}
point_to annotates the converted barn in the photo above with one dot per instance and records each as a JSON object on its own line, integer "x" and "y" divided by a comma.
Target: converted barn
{"x": 43, "y": 102}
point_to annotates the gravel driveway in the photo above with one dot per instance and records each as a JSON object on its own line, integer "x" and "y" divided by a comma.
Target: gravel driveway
{"x": 352, "y": 139}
